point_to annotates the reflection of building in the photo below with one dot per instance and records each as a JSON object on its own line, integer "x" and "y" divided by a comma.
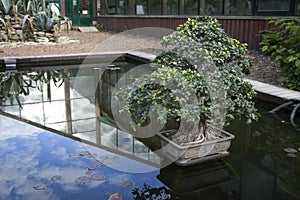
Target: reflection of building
{"x": 74, "y": 109}
{"x": 242, "y": 19}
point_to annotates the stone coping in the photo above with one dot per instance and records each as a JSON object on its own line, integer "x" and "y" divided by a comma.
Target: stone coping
{"x": 273, "y": 93}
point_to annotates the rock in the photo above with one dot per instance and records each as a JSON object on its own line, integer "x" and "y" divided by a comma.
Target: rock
{"x": 49, "y": 34}
{"x": 1, "y": 49}
{"x": 51, "y": 39}
{"x": 63, "y": 40}
{"x": 41, "y": 33}
{"x": 15, "y": 38}
{"x": 19, "y": 32}
{"x": 42, "y": 40}
{"x": 5, "y": 38}
{"x": 17, "y": 26}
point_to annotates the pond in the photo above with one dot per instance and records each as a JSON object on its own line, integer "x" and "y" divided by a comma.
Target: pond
{"x": 59, "y": 141}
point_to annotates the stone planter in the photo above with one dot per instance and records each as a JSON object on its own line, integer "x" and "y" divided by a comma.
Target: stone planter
{"x": 197, "y": 152}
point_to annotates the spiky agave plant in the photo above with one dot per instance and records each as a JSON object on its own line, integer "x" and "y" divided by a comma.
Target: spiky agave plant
{"x": 27, "y": 27}
{"x": 6, "y": 7}
{"x": 43, "y": 21}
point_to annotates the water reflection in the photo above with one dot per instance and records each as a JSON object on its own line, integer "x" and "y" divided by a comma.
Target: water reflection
{"x": 257, "y": 168}
{"x": 83, "y": 112}
{"x": 36, "y": 164}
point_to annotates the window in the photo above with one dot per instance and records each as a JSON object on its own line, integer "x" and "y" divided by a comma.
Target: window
{"x": 273, "y": 5}
{"x": 155, "y": 7}
{"x": 213, "y": 7}
{"x": 111, "y": 7}
{"x": 172, "y": 7}
{"x": 98, "y": 6}
{"x": 297, "y": 7}
{"x": 238, "y": 7}
{"x": 141, "y": 7}
{"x": 121, "y": 7}
{"x": 191, "y": 7}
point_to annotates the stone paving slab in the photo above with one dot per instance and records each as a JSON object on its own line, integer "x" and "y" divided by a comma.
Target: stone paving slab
{"x": 272, "y": 90}
{"x": 87, "y": 29}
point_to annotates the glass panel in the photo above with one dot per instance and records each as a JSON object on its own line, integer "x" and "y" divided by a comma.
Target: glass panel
{"x": 212, "y": 7}
{"x": 141, "y": 7}
{"x": 54, "y": 111}
{"x": 82, "y": 126}
{"x": 273, "y": 5}
{"x": 131, "y": 7}
{"x": 155, "y": 7}
{"x": 190, "y": 7}
{"x": 74, "y": 8}
{"x": 297, "y": 7}
{"x": 238, "y": 7}
{"x": 121, "y": 7}
{"x": 111, "y": 7}
{"x": 172, "y": 7}
{"x": 84, "y": 8}
{"x": 125, "y": 142}
{"x": 67, "y": 9}
{"x": 98, "y": 7}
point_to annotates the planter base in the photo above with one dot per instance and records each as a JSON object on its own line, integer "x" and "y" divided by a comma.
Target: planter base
{"x": 189, "y": 154}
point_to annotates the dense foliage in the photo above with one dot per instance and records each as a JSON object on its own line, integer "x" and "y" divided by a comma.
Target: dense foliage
{"x": 204, "y": 63}
{"x": 32, "y": 15}
{"x": 282, "y": 41}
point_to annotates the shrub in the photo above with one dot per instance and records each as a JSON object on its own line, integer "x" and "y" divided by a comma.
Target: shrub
{"x": 282, "y": 42}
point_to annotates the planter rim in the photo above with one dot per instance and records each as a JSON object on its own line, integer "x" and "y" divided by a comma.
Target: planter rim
{"x": 228, "y": 135}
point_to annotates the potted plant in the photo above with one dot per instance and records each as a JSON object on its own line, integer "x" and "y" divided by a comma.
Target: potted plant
{"x": 199, "y": 85}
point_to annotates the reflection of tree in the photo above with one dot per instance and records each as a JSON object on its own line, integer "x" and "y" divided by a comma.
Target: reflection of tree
{"x": 150, "y": 193}
{"x": 271, "y": 138}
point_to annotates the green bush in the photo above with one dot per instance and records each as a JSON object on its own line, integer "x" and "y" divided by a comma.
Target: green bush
{"x": 282, "y": 42}
{"x": 204, "y": 61}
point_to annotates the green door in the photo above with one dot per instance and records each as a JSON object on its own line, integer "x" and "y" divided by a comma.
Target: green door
{"x": 81, "y": 12}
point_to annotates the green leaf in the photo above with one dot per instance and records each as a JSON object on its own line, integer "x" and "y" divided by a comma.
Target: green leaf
{"x": 297, "y": 71}
{"x": 291, "y": 58}
{"x": 264, "y": 48}
{"x": 279, "y": 57}
{"x": 297, "y": 63}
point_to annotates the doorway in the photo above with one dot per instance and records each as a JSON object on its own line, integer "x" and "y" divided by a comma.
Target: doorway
{"x": 81, "y": 12}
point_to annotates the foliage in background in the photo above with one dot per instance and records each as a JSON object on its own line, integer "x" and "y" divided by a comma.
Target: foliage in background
{"x": 204, "y": 59}
{"x": 100, "y": 27}
{"x": 283, "y": 43}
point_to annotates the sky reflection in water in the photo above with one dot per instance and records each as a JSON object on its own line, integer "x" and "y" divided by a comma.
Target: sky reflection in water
{"x": 36, "y": 164}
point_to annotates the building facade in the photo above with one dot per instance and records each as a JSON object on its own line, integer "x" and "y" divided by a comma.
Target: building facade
{"x": 242, "y": 19}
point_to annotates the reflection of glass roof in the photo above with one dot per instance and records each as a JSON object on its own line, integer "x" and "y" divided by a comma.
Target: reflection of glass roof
{"x": 72, "y": 109}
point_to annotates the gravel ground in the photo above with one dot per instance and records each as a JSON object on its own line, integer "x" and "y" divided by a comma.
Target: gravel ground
{"x": 263, "y": 69}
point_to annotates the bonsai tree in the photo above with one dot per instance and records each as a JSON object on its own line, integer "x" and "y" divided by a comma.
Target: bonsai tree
{"x": 197, "y": 83}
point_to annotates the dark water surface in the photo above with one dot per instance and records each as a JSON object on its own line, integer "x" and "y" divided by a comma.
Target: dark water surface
{"x": 39, "y": 164}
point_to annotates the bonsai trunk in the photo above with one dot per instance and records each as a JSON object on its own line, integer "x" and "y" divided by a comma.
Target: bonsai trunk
{"x": 191, "y": 132}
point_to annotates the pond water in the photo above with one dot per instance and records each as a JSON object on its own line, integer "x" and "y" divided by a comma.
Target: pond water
{"x": 67, "y": 146}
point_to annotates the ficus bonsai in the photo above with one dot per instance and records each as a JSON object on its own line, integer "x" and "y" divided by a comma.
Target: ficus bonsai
{"x": 198, "y": 82}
